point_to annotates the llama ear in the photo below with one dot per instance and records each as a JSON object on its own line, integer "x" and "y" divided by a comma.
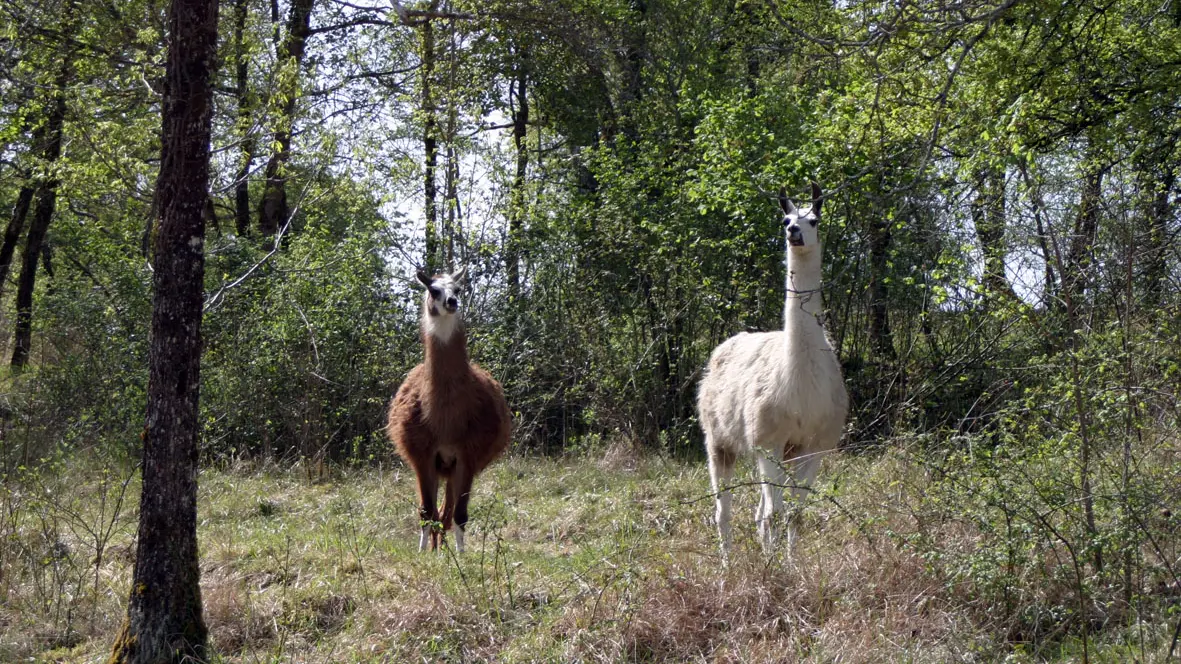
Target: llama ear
{"x": 785, "y": 204}
{"x": 424, "y": 278}
{"x": 816, "y": 196}
{"x": 460, "y": 276}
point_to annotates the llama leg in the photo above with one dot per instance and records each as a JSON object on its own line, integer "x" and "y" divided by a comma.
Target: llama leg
{"x": 428, "y": 511}
{"x": 450, "y": 499}
{"x": 463, "y": 495}
{"x": 440, "y": 534}
{"x": 803, "y": 473}
{"x": 772, "y": 499}
{"x": 721, "y": 472}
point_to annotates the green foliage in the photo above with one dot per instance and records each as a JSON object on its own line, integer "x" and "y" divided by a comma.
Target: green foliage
{"x": 1033, "y": 408}
{"x": 310, "y": 372}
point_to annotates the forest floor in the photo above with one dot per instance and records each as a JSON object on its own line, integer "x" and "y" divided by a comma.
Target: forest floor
{"x": 606, "y": 559}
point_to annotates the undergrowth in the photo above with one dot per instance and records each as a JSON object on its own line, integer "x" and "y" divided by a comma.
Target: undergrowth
{"x": 924, "y": 552}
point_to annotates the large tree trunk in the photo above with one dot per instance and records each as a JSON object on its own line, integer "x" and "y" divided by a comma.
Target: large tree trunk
{"x": 46, "y": 197}
{"x": 274, "y": 210}
{"x": 430, "y": 145}
{"x": 164, "y": 615}
{"x": 245, "y": 112}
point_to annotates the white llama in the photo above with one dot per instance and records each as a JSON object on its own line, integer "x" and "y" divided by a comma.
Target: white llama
{"x": 779, "y": 394}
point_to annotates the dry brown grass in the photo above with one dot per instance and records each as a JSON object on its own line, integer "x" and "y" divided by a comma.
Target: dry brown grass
{"x": 576, "y": 561}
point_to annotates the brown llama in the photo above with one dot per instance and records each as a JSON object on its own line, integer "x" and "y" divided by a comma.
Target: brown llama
{"x": 449, "y": 419}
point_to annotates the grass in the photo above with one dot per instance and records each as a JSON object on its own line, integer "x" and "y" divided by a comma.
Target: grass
{"x": 568, "y": 560}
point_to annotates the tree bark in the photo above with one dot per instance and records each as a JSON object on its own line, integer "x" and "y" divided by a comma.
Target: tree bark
{"x": 245, "y": 111}
{"x": 988, "y": 215}
{"x": 516, "y": 219}
{"x": 46, "y": 197}
{"x": 880, "y": 336}
{"x": 1079, "y": 258}
{"x": 164, "y": 615}
{"x": 1157, "y": 187}
{"x": 451, "y": 172}
{"x": 430, "y": 145}
{"x": 27, "y": 282}
{"x": 635, "y": 52}
{"x": 1050, "y": 285}
{"x": 274, "y": 210}
{"x": 12, "y": 233}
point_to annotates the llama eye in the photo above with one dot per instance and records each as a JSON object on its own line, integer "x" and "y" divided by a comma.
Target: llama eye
{"x": 814, "y": 222}
{"x": 435, "y": 292}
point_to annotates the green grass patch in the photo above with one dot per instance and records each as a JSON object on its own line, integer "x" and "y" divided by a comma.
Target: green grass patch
{"x": 568, "y": 560}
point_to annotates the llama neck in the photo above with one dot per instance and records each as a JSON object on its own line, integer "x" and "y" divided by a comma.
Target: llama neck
{"x": 446, "y": 346}
{"x": 804, "y": 303}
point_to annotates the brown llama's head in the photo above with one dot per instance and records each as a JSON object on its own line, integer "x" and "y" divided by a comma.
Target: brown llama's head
{"x": 441, "y": 303}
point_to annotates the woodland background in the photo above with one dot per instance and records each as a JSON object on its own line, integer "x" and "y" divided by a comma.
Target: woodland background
{"x": 1002, "y": 264}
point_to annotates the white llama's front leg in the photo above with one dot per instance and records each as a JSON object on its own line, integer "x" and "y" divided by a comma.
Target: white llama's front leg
{"x": 803, "y": 474}
{"x": 721, "y": 472}
{"x": 772, "y": 500}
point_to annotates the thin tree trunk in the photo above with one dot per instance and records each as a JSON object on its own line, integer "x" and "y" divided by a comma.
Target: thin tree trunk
{"x": 1158, "y": 210}
{"x": 634, "y": 53}
{"x": 46, "y": 197}
{"x": 164, "y": 614}
{"x": 245, "y": 122}
{"x": 12, "y": 233}
{"x": 274, "y": 210}
{"x": 27, "y": 281}
{"x": 451, "y": 200}
{"x": 430, "y": 144}
{"x": 880, "y": 335}
{"x": 451, "y": 175}
{"x": 516, "y": 220}
{"x": 988, "y": 216}
{"x": 1049, "y": 290}
{"x": 1075, "y": 279}
{"x": 1079, "y": 260}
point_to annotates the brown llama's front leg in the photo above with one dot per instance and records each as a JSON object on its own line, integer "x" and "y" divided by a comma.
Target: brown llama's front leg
{"x": 428, "y": 510}
{"x": 463, "y": 491}
{"x": 459, "y": 487}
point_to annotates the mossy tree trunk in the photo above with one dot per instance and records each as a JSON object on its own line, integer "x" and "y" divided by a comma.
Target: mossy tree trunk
{"x": 164, "y": 616}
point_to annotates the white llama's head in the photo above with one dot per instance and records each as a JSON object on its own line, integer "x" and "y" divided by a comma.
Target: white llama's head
{"x": 441, "y": 303}
{"x": 801, "y": 224}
